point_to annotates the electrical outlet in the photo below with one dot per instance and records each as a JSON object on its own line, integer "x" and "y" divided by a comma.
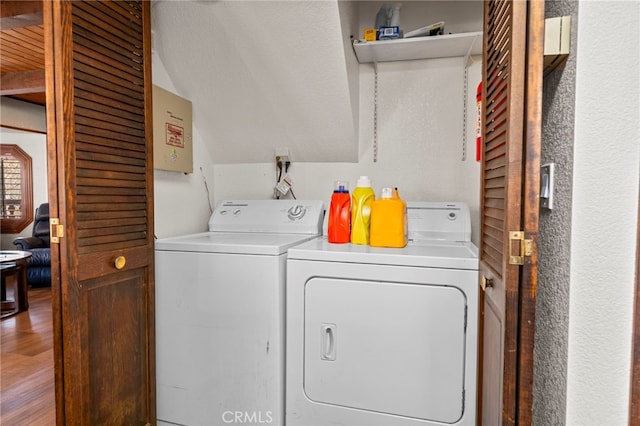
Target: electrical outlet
{"x": 282, "y": 154}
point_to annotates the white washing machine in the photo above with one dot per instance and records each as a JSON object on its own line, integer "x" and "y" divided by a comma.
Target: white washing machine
{"x": 220, "y": 308}
{"x": 380, "y": 336}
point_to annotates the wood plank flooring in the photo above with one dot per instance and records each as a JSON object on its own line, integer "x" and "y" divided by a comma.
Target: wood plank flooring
{"x": 26, "y": 363}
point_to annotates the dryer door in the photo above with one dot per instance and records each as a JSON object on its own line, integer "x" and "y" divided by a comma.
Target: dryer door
{"x": 386, "y": 347}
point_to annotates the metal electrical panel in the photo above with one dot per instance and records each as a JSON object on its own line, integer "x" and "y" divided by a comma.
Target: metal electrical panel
{"x": 172, "y": 132}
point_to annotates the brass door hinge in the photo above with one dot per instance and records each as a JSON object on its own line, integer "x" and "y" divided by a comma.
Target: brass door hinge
{"x": 526, "y": 247}
{"x": 56, "y": 230}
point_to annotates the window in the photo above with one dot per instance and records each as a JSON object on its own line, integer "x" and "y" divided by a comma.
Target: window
{"x": 16, "y": 194}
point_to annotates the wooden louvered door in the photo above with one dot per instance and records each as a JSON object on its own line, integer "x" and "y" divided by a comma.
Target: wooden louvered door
{"x": 512, "y": 93}
{"x": 98, "y": 114}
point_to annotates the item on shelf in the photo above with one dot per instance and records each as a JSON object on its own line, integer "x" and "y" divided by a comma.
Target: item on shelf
{"x": 370, "y": 34}
{"x": 429, "y": 30}
{"x": 388, "y": 15}
{"x": 388, "y": 33}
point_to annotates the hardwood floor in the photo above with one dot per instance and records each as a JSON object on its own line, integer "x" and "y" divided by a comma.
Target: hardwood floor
{"x": 26, "y": 361}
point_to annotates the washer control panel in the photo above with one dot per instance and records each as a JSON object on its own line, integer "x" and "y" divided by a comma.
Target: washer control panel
{"x": 268, "y": 216}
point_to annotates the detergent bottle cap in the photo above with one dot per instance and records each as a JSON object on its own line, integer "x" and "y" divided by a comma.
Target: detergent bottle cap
{"x": 386, "y": 193}
{"x": 341, "y": 186}
{"x": 364, "y": 182}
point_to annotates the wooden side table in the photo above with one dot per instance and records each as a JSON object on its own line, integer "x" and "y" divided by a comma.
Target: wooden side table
{"x": 13, "y": 270}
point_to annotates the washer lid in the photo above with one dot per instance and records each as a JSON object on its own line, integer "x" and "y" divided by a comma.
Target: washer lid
{"x": 232, "y": 243}
{"x": 435, "y": 254}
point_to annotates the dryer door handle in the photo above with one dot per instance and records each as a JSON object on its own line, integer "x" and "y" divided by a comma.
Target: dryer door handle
{"x": 328, "y": 334}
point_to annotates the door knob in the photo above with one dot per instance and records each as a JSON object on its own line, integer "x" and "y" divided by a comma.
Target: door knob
{"x": 486, "y": 282}
{"x": 120, "y": 262}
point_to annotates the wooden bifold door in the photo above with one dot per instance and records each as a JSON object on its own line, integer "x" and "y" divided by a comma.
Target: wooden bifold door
{"x": 511, "y": 115}
{"x": 98, "y": 82}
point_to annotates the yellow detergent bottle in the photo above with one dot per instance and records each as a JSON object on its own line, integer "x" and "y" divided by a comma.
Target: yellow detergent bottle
{"x": 361, "y": 199}
{"x": 388, "y": 220}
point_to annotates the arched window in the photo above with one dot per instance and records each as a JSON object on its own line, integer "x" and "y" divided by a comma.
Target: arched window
{"x": 16, "y": 190}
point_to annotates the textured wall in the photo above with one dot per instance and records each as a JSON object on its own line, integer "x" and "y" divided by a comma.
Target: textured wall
{"x": 606, "y": 162}
{"x": 552, "y": 308}
{"x": 262, "y": 75}
{"x": 420, "y": 141}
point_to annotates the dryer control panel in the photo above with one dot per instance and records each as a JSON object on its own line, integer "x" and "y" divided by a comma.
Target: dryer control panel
{"x": 429, "y": 221}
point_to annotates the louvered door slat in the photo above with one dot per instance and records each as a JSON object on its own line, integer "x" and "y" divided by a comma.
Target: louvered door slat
{"x": 117, "y": 241}
{"x": 117, "y": 167}
{"x": 86, "y": 90}
{"x": 112, "y": 155}
{"x": 85, "y": 201}
{"x": 88, "y": 212}
{"x": 129, "y": 16}
{"x": 89, "y": 141}
{"x": 495, "y": 193}
{"x": 107, "y": 188}
{"x": 121, "y": 122}
{"x": 105, "y": 214}
{"x": 109, "y": 225}
{"x": 91, "y": 72}
{"x": 103, "y": 55}
{"x": 101, "y": 178}
{"x": 103, "y": 38}
{"x": 109, "y": 111}
{"x": 131, "y": 13}
{"x": 89, "y": 17}
{"x": 495, "y": 233}
{"x": 123, "y": 76}
{"x": 114, "y": 229}
{"x": 107, "y": 131}
{"x": 107, "y": 174}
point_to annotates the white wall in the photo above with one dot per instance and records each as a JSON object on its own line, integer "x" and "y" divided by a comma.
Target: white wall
{"x": 33, "y": 140}
{"x": 181, "y": 201}
{"x": 604, "y": 218}
{"x": 22, "y": 115}
{"x": 261, "y": 74}
{"x": 420, "y": 141}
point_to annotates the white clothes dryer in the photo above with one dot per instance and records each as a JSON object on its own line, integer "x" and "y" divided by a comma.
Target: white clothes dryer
{"x": 383, "y": 336}
{"x": 220, "y": 308}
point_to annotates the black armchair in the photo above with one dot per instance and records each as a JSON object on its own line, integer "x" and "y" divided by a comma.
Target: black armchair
{"x": 39, "y": 264}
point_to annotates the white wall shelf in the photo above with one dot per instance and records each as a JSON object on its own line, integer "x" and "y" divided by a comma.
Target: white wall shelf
{"x": 403, "y": 49}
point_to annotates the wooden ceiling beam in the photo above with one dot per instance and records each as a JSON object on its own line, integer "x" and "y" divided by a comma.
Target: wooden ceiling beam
{"x": 19, "y": 14}
{"x": 18, "y": 83}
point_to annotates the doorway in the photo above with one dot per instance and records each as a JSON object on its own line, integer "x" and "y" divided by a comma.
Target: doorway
{"x": 26, "y": 355}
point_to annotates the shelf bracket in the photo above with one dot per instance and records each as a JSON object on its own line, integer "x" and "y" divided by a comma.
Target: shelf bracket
{"x": 375, "y": 112}
{"x": 465, "y": 92}
{"x": 468, "y": 60}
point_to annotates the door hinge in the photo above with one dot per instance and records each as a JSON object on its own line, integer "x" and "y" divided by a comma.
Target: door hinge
{"x": 56, "y": 230}
{"x": 526, "y": 247}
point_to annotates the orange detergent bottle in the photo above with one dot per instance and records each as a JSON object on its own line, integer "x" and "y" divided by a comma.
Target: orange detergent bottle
{"x": 361, "y": 200}
{"x": 339, "y": 226}
{"x": 388, "y": 220}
